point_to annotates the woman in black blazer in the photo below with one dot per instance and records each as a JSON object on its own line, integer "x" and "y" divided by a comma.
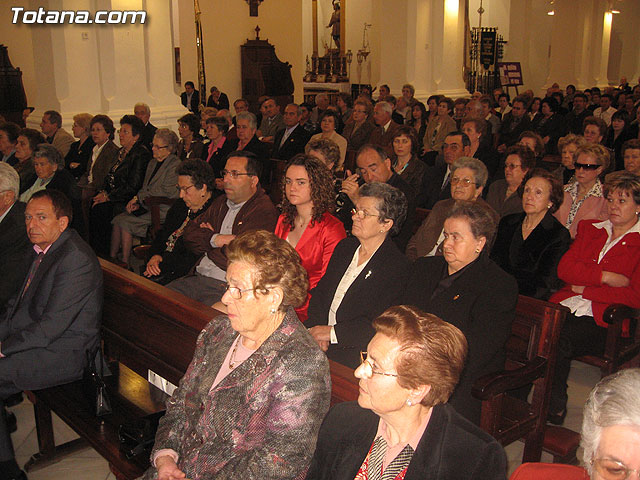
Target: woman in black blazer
{"x": 467, "y": 289}
{"x": 529, "y": 245}
{"x": 123, "y": 181}
{"x": 370, "y": 271}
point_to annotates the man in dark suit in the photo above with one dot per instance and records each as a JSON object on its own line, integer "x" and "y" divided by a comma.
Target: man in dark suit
{"x": 386, "y": 128}
{"x": 217, "y": 99}
{"x": 291, "y": 139}
{"x": 14, "y": 243}
{"x": 436, "y": 182}
{"x": 513, "y": 124}
{"x": 143, "y": 112}
{"x": 55, "y": 317}
{"x": 191, "y": 98}
{"x": 374, "y": 165}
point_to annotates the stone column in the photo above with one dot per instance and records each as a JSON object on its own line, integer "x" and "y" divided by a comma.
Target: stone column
{"x": 107, "y": 68}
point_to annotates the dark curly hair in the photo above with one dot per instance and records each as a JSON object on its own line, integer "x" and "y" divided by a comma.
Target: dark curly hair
{"x": 277, "y": 262}
{"x": 321, "y": 184}
{"x": 200, "y": 172}
{"x": 191, "y": 121}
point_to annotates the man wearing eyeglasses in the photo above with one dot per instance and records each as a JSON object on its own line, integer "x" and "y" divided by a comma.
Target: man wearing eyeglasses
{"x": 243, "y": 207}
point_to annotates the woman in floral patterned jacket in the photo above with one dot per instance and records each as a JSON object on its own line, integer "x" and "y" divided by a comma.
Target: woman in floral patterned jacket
{"x": 258, "y": 387}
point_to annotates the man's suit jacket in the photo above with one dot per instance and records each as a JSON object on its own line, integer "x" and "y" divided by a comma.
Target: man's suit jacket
{"x": 195, "y": 102}
{"x": 358, "y": 137}
{"x": 451, "y": 448}
{"x": 147, "y": 135}
{"x": 432, "y": 190}
{"x": 45, "y": 335}
{"x": 511, "y": 129}
{"x": 534, "y": 261}
{"x": 384, "y": 139}
{"x": 11, "y": 159}
{"x": 261, "y": 151}
{"x": 270, "y": 126}
{"x": 221, "y": 104}
{"x": 378, "y": 287}
{"x": 15, "y": 253}
{"x": 481, "y": 302}
{"x": 62, "y": 141}
{"x": 293, "y": 145}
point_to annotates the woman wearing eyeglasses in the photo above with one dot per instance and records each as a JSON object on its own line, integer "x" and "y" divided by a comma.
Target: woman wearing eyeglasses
{"x": 468, "y": 179}
{"x": 583, "y": 198}
{"x": 159, "y": 181}
{"x": 402, "y": 427}
{"x": 611, "y": 427}
{"x": 366, "y": 275}
{"x": 252, "y": 400}
{"x": 308, "y": 197}
{"x": 504, "y": 194}
{"x": 467, "y": 289}
{"x": 177, "y": 247}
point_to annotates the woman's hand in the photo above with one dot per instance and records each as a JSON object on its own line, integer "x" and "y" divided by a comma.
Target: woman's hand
{"x": 74, "y": 164}
{"x": 153, "y": 266}
{"x": 100, "y": 198}
{"x": 322, "y": 335}
{"x": 614, "y": 279}
{"x": 206, "y": 225}
{"x": 133, "y": 205}
{"x": 577, "y": 289}
{"x": 167, "y": 469}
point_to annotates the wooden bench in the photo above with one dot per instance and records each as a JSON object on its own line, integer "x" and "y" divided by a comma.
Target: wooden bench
{"x": 145, "y": 327}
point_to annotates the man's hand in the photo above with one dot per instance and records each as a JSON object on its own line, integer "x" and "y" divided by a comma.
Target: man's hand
{"x": 350, "y": 186}
{"x": 222, "y": 240}
{"x": 322, "y": 335}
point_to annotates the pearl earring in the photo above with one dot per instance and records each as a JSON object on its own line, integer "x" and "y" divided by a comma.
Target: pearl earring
{"x": 409, "y": 402}
{"x": 273, "y": 311}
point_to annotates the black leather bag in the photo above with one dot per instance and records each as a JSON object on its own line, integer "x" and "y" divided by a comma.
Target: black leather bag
{"x": 94, "y": 387}
{"x": 138, "y": 436}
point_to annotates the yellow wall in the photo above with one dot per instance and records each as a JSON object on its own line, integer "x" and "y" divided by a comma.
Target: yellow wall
{"x": 226, "y": 25}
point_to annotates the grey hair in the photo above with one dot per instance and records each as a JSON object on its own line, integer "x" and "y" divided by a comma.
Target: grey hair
{"x": 253, "y": 123}
{"x": 392, "y": 203}
{"x": 295, "y": 105}
{"x": 169, "y": 137}
{"x": 51, "y": 153}
{"x": 143, "y": 105}
{"x": 613, "y": 401}
{"x": 385, "y": 107}
{"x": 9, "y": 179}
{"x": 322, "y": 95}
{"x": 480, "y": 172}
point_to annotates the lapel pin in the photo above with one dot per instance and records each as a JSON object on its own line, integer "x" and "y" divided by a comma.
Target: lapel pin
{"x": 367, "y": 275}
{"x": 456, "y": 297}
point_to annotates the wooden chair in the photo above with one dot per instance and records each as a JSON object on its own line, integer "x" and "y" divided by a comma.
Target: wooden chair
{"x": 620, "y": 350}
{"x": 277, "y": 175}
{"x": 421, "y": 216}
{"x": 350, "y": 161}
{"x": 154, "y": 206}
{"x": 531, "y": 357}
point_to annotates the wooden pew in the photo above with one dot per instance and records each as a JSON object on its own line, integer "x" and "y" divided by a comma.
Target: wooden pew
{"x": 145, "y": 327}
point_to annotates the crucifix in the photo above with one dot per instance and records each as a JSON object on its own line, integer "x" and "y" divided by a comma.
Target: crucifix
{"x": 253, "y": 7}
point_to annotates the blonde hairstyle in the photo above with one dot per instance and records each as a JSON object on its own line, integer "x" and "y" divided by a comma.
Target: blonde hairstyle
{"x": 84, "y": 121}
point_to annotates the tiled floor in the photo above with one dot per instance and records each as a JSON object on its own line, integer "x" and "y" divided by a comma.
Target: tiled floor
{"x": 88, "y": 465}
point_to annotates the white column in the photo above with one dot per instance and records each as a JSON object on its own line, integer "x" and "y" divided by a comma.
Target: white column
{"x": 447, "y": 39}
{"x": 107, "y": 68}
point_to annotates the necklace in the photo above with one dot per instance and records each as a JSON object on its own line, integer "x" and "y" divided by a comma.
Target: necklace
{"x": 232, "y": 362}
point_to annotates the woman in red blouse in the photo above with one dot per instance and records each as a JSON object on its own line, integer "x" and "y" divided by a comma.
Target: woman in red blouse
{"x": 601, "y": 267}
{"x": 308, "y": 197}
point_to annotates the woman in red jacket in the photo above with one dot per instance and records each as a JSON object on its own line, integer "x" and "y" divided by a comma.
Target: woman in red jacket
{"x": 601, "y": 267}
{"x": 308, "y": 197}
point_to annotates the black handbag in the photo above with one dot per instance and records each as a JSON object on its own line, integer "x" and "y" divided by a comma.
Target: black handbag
{"x": 138, "y": 436}
{"x": 94, "y": 387}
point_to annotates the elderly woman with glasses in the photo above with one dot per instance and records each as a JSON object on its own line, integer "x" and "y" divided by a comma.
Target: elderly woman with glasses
{"x": 468, "y": 179}
{"x": 602, "y": 267}
{"x": 504, "y": 194}
{"x": 611, "y": 427}
{"x": 252, "y": 400}
{"x": 366, "y": 275}
{"x": 467, "y": 289}
{"x": 402, "y": 427}
{"x": 159, "y": 181}
{"x": 583, "y": 198}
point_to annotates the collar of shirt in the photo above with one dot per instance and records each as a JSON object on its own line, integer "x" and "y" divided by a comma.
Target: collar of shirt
{"x": 235, "y": 206}
{"x": 386, "y": 126}
{"x": 39, "y": 250}
{"x": 608, "y": 227}
{"x": 596, "y": 190}
{"x": 413, "y": 441}
{"x": 7, "y": 212}
{"x": 5, "y": 157}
